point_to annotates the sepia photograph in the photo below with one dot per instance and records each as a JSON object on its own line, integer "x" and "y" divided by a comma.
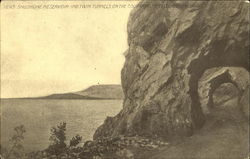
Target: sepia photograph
{"x": 125, "y": 79}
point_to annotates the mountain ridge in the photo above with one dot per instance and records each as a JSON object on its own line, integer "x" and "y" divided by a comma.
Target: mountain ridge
{"x": 94, "y": 92}
{"x": 111, "y": 91}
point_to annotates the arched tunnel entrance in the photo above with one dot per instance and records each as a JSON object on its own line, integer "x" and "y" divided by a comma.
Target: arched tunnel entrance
{"x": 217, "y": 82}
{"x": 222, "y": 89}
{"x": 219, "y": 55}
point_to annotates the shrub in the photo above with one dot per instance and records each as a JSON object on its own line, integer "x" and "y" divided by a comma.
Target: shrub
{"x": 75, "y": 141}
{"x": 58, "y": 138}
{"x": 17, "y": 149}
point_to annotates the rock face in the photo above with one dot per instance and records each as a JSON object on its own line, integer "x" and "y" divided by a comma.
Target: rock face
{"x": 170, "y": 48}
{"x": 244, "y": 101}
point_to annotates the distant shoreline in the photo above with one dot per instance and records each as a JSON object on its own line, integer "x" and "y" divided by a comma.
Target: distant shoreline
{"x": 95, "y": 92}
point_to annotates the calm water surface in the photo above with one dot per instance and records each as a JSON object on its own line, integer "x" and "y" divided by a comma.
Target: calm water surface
{"x": 39, "y": 115}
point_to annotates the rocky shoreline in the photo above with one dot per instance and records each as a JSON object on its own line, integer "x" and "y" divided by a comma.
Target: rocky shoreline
{"x": 118, "y": 147}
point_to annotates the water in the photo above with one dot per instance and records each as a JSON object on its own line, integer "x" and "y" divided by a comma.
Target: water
{"x": 39, "y": 115}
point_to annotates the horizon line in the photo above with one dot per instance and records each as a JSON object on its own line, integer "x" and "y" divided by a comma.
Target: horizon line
{"x": 39, "y": 96}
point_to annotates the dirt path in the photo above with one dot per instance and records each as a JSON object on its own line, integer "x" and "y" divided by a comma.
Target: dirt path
{"x": 225, "y": 135}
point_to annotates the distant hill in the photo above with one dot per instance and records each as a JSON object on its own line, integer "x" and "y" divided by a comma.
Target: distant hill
{"x": 93, "y": 92}
{"x": 66, "y": 96}
{"x": 103, "y": 91}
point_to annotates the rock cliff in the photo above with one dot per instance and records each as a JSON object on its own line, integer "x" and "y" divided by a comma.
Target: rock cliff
{"x": 179, "y": 53}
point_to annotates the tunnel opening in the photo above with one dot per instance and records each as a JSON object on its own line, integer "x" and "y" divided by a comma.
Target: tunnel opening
{"x": 234, "y": 80}
{"x": 216, "y": 82}
{"x": 221, "y": 91}
{"x": 225, "y": 108}
{"x": 219, "y": 55}
{"x": 233, "y": 56}
{"x": 226, "y": 96}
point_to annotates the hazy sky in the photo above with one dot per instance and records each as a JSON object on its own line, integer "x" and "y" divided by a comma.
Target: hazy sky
{"x": 47, "y": 51}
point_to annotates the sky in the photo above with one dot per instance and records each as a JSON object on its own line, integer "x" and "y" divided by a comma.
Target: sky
{"x": 45, "y": 51}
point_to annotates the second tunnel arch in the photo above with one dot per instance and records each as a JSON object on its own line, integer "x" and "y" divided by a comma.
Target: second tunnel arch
{"x": 214, "y": 77}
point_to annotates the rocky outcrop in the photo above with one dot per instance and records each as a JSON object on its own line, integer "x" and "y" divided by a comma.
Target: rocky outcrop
{"x": 170, "y": 48}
